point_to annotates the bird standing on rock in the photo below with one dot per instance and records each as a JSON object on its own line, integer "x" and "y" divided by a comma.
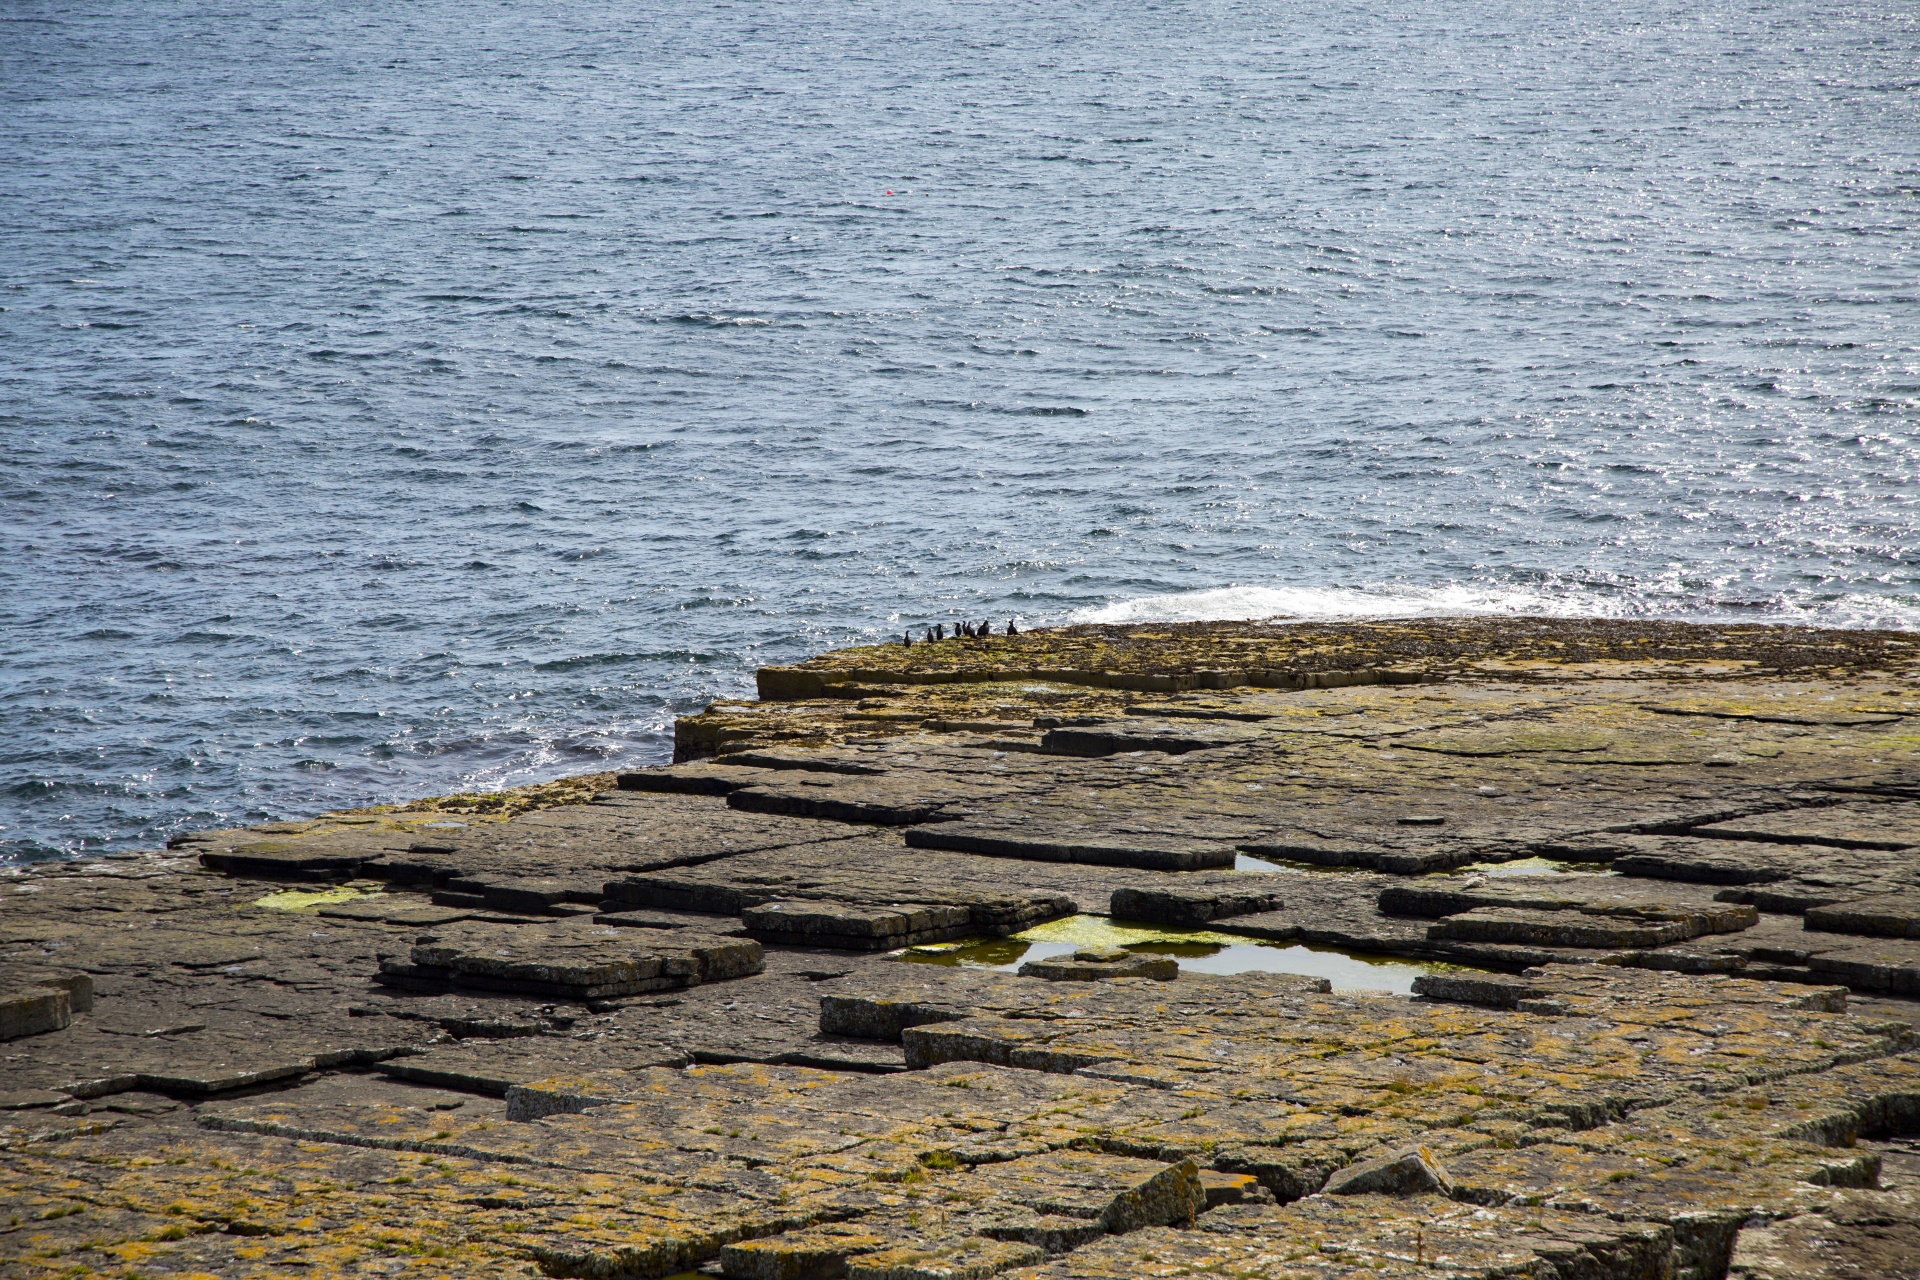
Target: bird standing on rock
{"x": 1010, "y": 628}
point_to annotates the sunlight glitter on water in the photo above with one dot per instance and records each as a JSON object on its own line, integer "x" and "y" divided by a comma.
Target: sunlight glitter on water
{"x": 318, "y": 495}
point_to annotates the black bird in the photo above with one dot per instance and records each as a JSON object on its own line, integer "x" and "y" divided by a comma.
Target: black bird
{"x": 1010, "y": 630}
{"x": 906, "y": 640}
{"x": 940, "y": 631}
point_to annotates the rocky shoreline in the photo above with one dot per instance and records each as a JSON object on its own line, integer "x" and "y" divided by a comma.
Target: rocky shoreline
{"x": 797, "y": 1005}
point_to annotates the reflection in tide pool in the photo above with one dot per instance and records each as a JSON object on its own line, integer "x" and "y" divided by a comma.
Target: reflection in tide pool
{"x": 1197, "y": 950}
{"x": 1348, "y": 971}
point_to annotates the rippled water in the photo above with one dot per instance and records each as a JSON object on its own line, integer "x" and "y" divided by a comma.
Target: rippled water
{"x": 402, "y": 398}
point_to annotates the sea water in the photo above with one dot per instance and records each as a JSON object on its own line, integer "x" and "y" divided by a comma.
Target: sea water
{"x": 398, "y": 399}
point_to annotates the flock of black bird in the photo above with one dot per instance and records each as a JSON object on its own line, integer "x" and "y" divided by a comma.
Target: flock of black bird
{"x": 961, "y": 631}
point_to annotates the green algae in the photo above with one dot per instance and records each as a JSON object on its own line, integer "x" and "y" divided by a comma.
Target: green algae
{"x": 1104, "y": 931}
{"x": 313, "y": 899}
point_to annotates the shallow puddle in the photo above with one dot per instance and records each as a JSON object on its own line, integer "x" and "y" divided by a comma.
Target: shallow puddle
{"x": 1287, "y": 866}
{"x": 1197, "y": 950}
{"x": 1518, "y": 867}
{"x": 1533, "y": 867}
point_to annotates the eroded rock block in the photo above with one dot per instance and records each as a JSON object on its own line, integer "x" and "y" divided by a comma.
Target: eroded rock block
{"x": 1890, "y": 916}
{"x": 1215, "y": 899}
{"x": 522, "y": 895}
{"x": 885, "y": 801}
{"x": 1625, "y": 993}
{"x": 1859, "y": 1234}
{"x": 1881, "y": 965}
{"x": 1555, "y": 929}
{"x": 320, "y": 856}
{"x": 1677, "y": 912}
{"x": 576, "y": 963}
{"x": 1117, "y": 1192}
{"x": 1229, "y": 1188}
{"x": 1093, "y": 849}
{"x": 1408, "y": 1171}
{"x": 77, "y": 984}
{"x": 1143, "y": 735}
{"x": 849, "y": 905}
{"x": 886, "y": 1012}
{"x": 1092, "y": 964}
{"x": 1844, "y": 826}
{"x": 33, "y": 1012}
{"x": 857, "y": 928}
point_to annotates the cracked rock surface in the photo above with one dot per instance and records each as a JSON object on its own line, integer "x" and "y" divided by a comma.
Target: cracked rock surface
{"x": 1662, "y": 883}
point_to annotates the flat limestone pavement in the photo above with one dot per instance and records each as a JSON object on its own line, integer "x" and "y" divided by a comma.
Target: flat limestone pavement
{"x": 1664, "y": 878}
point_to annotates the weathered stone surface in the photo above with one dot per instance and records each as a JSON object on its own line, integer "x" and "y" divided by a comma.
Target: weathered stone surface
{"x": 1555, "y": 929}
{"x": 882, "y": 1008}
{"x": 1674, "y": 1086}
{"x": 1784, "y": 878}
{"x": 968, "y": 1258}
{"x": 1388, "y": 1236}
{"x": 1677, "y": 913}
{"x": 1856, "y": 1234}
{"x": 1890, "y": 916}
{"x": 808, "y": 1254}
{"x": 521, "y": 862}
{"x": 1887, "y": 825}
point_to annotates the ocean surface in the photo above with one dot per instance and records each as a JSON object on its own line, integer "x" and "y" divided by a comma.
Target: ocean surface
{"x": 404, "y": 398}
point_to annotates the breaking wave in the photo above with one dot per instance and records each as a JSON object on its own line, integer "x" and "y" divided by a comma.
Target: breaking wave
{"x": 1240, "y": 603}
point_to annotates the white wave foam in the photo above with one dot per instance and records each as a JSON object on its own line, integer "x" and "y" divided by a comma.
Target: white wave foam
{"x": 1243, "y": 603}
{"x": 1250, "y": 603}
